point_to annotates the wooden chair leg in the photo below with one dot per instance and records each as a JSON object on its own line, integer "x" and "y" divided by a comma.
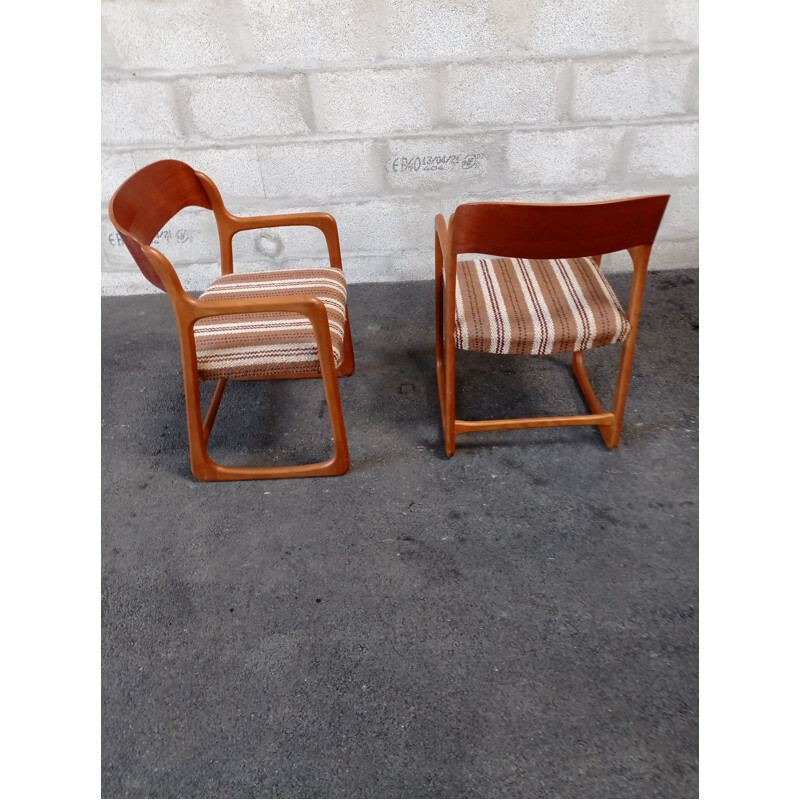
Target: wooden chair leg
{"x": 579, "y": 368}
{"x": 211, "y": 415}
{"x": 450, "y": 396}
{"x": 621, "y": 392}
{"x": 611, "y": 433}
{"x": 348, "y": 365}
{"x": 204, "y": 468}
{"x": 340, "y": 462}
{"x": 445, "y": 360}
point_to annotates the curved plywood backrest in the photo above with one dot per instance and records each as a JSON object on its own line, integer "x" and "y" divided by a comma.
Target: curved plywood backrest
{"x": 530, "y": 230}
{"x": 146, "y": 201}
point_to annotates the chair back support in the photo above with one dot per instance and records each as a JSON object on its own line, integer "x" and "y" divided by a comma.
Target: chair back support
{"x": 521, "y": 230}
{"x": 146, "y": 201}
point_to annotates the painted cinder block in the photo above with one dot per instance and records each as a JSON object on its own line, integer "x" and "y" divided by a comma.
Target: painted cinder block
{"x": 603, "y": 192}
{"x": 564, "y": 157}
{"x": 114, "y": 254}
{"x": 413, "y": 265}
{"x": 430, "y": 162}
{"x": 456, "y": 29}
{"x": 681, "y": 219}
{"x": 138, "y": 112}
{"x": 237, "y": 106}
{"x": 178, "y": 35}
{"x": 666, "y": 254}
{"x": 682, "y": 20}
{"x": 270, "y": 245}
{"x": 372, "y": 101}
{"x": 675, "y": 254}
{"x": 194, "y": 277}
{"x": 676, "y": 21}
{"x": 319, "y": 171}
{"x": 115, "y": 168}
{"x": 664, "y": 151}
{"x": 367, "y": 269}
{"x": 372, "y": 226}
{"x": 384, "y": 226}
{"x": 450, "y": 201}
{"x": 583, "y": 26}
{"x": 191, "y": 235}
{"x": 235, "y": 171}
{"x": 632, "y": 88}
{"x": 116, "y": 284}
{"x": 302, "y": 33}
{"x": 502, "y": 94}
{"x": 356, "y": 268}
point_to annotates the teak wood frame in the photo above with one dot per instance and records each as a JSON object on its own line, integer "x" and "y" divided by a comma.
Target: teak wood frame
{"x": 542, "y": 231}
{"x": 138, "y": 210}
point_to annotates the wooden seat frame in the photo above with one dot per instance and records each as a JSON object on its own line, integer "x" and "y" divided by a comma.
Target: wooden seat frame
{"x": 139, "y": 210}
{"x": 542, "y": 231}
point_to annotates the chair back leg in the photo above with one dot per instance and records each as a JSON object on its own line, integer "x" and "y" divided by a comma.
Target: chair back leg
{"x": 445, "y": 356}
{"x": 348, "y": 365}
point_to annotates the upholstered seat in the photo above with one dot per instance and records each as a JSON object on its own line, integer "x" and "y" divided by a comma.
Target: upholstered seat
{"x": 248, "y": 346}
{"x": 535, "y": 306}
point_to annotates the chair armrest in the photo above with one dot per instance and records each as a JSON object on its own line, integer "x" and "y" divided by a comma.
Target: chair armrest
{"x": 311, "y": 307}
{"x": 314, "y": 219}
{"x": 229, "y": 225}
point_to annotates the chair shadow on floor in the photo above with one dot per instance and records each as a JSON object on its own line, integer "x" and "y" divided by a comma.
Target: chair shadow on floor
{"x": 270, "y": 423}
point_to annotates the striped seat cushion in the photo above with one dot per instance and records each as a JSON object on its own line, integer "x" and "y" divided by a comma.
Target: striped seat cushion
{"x": 514, "y": 305}
{"x": 244, "y": 346}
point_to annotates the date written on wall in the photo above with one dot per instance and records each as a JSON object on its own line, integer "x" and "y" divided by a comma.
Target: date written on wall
{"x": 161, "y": 238}
{"x": 455, "y": 161}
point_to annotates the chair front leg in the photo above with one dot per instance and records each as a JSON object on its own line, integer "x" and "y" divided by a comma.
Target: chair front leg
{"x": 340, "y": 462}
{"x": 611, "y": 436}
{"x": 203, "y": 468}
{"x": 640, "y": 256}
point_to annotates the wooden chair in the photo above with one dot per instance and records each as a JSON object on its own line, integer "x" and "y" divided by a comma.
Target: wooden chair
{"x": 249, "y": 326}
{"x": 545, "y": 294}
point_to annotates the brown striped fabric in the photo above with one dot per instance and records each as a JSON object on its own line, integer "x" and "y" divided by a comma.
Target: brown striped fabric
{"x": 515, "y": 305}
{"x": 244, "y": 346}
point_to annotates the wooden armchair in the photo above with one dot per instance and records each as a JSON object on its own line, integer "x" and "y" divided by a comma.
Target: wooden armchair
{"x": 249, "y": 326}
{"x": 544, "y": 294}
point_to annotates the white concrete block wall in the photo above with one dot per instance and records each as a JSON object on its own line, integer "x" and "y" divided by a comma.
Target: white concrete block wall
{"x": 386, "y": 112}
{"x": 169, "y": 35}
{"x": 247, "y": 106}
{"x": 586, "y": 27}
{"x": 312, "y": 33}
{"x": 504, "y": 93}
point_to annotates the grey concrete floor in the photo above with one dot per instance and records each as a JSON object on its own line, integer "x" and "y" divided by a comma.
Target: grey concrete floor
{"x": 518, "y": 621}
